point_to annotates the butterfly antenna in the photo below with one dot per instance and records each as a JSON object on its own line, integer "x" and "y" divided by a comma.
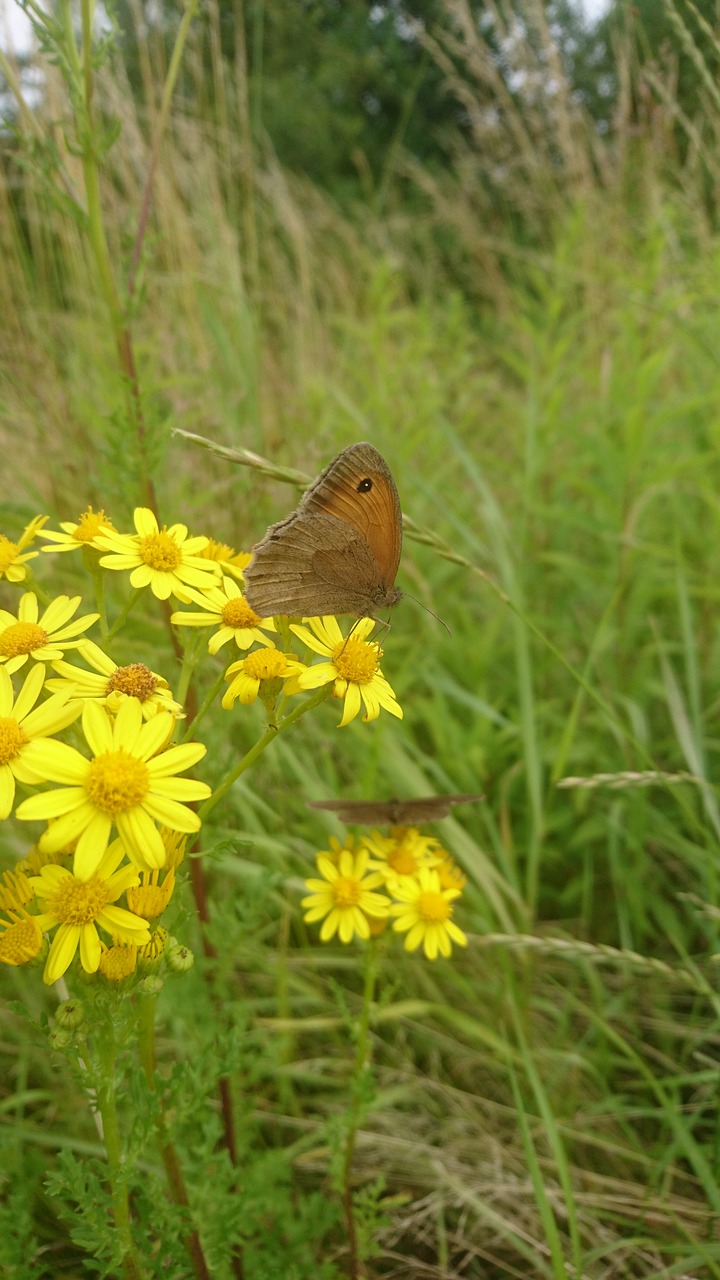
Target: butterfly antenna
{"x": 427, "y": 610}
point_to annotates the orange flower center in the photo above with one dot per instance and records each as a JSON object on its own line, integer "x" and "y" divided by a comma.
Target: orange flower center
{"x": 237, "y": 613}
{"x": 433, "y": 907}
{"x": 117, "y": 781}
{"x": 12, "y": 738}
{"x": 265, "y": 664}
{"x": 356, "y": 661}
{"x": 21, "y": 637}
{"x": 90, "y": 524}
{"x": 8, "y": 552}
{"x": 160, "y": 552}
{"x": 78, "y": 902}
{"x": 136, "y": 680}
{"x": 346, "y": 891}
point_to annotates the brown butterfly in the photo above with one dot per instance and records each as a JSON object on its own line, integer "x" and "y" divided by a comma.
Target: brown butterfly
{"x": 339, "y": 551}
{"x": 399, "y": 813}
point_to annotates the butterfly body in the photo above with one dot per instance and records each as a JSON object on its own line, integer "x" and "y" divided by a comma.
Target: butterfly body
{"x": 395, "y": 812}
{"x": 339, "y": 551}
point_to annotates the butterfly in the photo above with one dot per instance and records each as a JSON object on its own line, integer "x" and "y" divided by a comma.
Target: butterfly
{"x": 338, "y": 551}
{"x": 398, "y": 813}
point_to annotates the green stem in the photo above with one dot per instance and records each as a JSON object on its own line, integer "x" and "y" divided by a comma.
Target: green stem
{"x": 160, "y": 127}
{"x": 210, "y": 697}
{"x": 30, "y": 584}
{"x": 269, "y": 736}
{"x": 123, "y": 615}
{"x": 92, "y": 564}
{"x": 362, "y": 1060}
{"x": 190, "y": 658}
{"x": 171, "y": 1162}
{"x": 91, "y": 172}
{"x": 107, "y": 1106}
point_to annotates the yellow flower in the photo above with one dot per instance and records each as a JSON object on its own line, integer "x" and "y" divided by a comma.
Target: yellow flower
{"x": 155, "y": 948}
{"x": 129, "y": 782}
{"x": 336, "y": 848}
{"x": 174, "y": 842}
{"x": 20, "y": 725}
{"x": 226, "y": 608}
{"x": 15, "y": 891}
{"x": 166, "y": 560}
{"x": 424, "y": 912}
{"x": 21, "y": 939}
{"x": 118, "y": 961}
{"x": 449, "y": 873}
{"x": 262, "y": 665}
{"x": 344, "y": 896}
{"x": 80, "y": 534}
{"x": 402, "y": 853}
{"x": 230, "y": 560}
{"x": 12, "y": 560}
{"x": 354, "y": 666}
{"x": 43, "y": 638}
{"x": 150, "y": 897}
{"x": 79, "y": 906}
{"x": 110, "y": 684}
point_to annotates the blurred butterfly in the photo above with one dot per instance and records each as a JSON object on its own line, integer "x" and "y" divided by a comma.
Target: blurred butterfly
{"x": 398, "y": 813}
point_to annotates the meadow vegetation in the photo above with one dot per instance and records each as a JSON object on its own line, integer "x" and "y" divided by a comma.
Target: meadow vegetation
{"x": 529, "y": 335}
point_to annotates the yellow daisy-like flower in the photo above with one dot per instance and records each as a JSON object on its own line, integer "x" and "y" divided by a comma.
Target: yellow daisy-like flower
{"x": 354, "y": 666}
{"x": 21, "y": 939}
{"x": 13, "y": 556}
{"x": 129, "y": 782}
{"x": 424, "y": 912}
{"x": 227, "y": 609}
{"x": 230, "y": 560}
{"x": 81, "y": 533}
{"x": 344, "y": 896}
{"x": 402, "y": 853}
{"x": 166, "y": 559}
{"x": 44, "y": 638}
{"x": 79, "y": 906}
{"x": 20, "y": 725}
{"x": 247, "y": 675}
{"x": 110, "y": 684}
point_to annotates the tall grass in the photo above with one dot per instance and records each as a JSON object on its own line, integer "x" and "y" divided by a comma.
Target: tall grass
{"x": 546, "y": 1104}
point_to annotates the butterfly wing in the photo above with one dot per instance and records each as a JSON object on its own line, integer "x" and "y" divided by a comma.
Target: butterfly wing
{"x": 310, "y": 565}
{"x": 357, "y": 487}
{"x": 338, "y": 552}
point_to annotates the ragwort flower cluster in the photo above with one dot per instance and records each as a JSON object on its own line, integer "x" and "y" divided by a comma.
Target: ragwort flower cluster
{"x": 111, "y": 800}
{"x": 114, "y": 809}
{"x": 405, "y": 877}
